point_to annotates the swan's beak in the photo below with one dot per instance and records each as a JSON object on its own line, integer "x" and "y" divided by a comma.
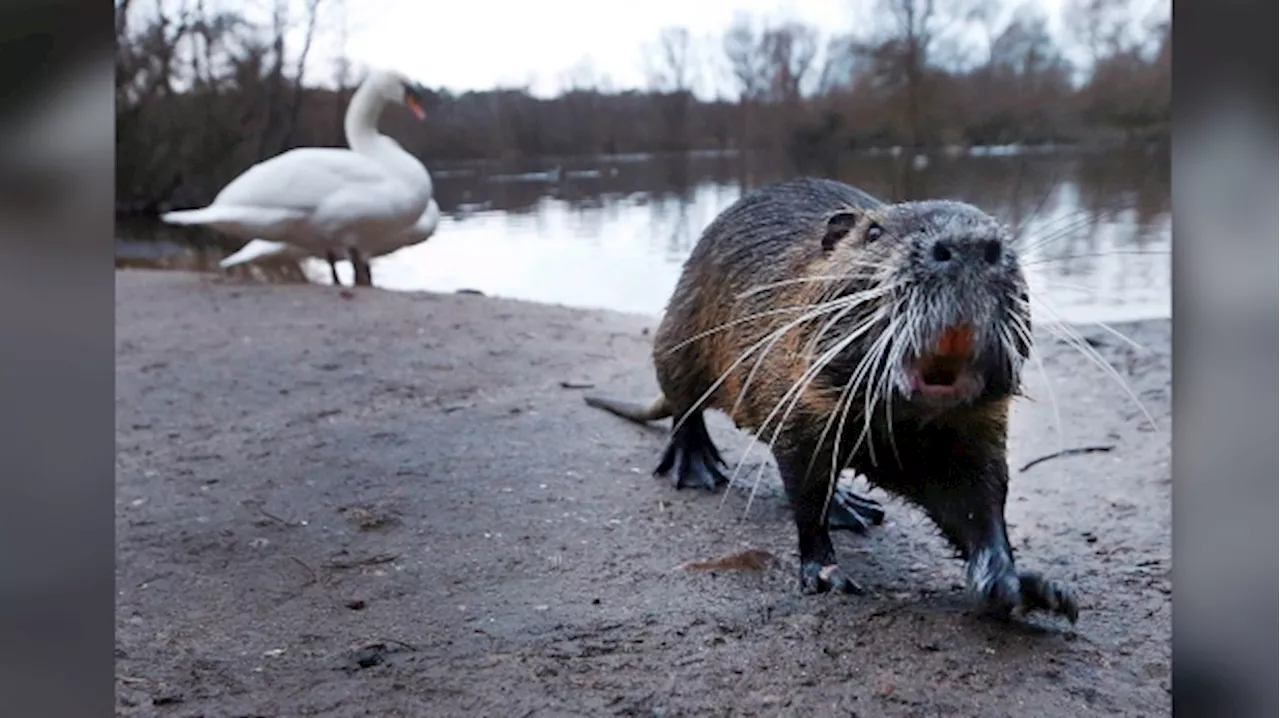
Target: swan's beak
{"x": 415, "y": 108}
{"x": 413, "y": 94}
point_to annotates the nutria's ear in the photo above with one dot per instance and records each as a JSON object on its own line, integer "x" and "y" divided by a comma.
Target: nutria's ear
{"x": 839, "y": 225}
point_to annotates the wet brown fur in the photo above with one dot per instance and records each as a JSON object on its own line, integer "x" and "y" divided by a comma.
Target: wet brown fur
{"x": 952, "y": 463}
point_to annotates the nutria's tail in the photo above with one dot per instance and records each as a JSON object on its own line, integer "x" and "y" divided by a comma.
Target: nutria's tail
{"x": 640, "y": 413}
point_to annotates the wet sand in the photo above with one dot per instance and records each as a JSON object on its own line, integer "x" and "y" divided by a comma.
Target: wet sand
{"x": 397, "y": 504}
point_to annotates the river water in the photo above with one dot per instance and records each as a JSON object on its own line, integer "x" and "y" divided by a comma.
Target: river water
{"x": 612, "y": 232}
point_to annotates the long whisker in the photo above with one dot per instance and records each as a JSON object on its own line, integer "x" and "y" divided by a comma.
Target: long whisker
{"x": 1067, "y": 257}
{"x": 743, "y": 320}
{"x": 743, "y": 357}
{"x": 1102, "y": 325}
{"x": 797, "y": 391}
{"x": 1094, "y": 291}
{"x": 1073, "y": 339}
{"x": 1038, "y": 358}
{"x": 863, "y": 371}
{"x": 804, "y": 280}
{"x": 1057, "y": 229}
{"x": 855, "y": 380}
{"x": 849, "y": 390}
{"x": 1026, "y": 242}
{"x": 887, "y": 379}
{"x": 858, "y": 299}
{"x": 1044, "y": 198}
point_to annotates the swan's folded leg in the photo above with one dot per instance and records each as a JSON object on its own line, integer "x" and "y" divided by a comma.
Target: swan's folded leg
{"x": 332, "y": 258}
{"x": 360, "y": 267}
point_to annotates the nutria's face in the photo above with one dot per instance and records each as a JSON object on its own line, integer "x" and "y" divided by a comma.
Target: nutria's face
{"x": 946, "y": 318}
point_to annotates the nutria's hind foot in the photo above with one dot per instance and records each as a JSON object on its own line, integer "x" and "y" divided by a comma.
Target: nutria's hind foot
{"x": 818, "y": 578}
{"x": 694, "y": 456}
{"x": 851, "y": 511}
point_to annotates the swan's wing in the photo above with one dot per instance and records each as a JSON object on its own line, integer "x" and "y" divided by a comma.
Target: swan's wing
{"x": 257, "y": 249}
{"x": 384, "y": 243}
{"x": 427, "y": 223}
{"x": 301, "y": 179}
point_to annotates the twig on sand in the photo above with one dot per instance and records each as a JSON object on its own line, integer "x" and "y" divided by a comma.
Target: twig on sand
{"x": 381, "y": 643}
{"x": 259, "y": 505}
{"x": 371, "y": 561}
{"x": 1069, "y": 452}
{"x": 315, "y": 577}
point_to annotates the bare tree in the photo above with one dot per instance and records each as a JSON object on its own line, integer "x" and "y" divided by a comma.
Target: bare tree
{"x": 203, "y": 92}
{"x": 672, "y": 61}
{"x": 295, "y": 101}
{"x": 746, "y": 65}
{"x": 1099, "y": 27}
{"x": 790, "y": 50}
{"x": 914, "y": 26}
{"x": 840, "y": 65}
{"x": 671, "y": 75}
{"x": 580, "y": 97}
{"x": 988, "y": 16}
{"x": 580, "y": 77}
{"x": 275, "y": 83}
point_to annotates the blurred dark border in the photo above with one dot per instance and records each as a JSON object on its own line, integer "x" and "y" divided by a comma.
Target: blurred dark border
{"x": 56, "y": 499}
{"x": 56, "y": 369}
{"x": 39, "y": 41}
{"x": 1225, "y": 338}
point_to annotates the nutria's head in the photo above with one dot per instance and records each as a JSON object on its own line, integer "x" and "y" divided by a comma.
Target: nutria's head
{"x": 941, "y": 317}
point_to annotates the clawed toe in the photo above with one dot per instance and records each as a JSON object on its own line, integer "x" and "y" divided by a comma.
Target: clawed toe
{"x": 1042, "y": 594}
{"x": 694, "y": 458}
{"x": 1026, "y": 592}
{"x": 696, "y": 470}
{"x": 816, "y": 578}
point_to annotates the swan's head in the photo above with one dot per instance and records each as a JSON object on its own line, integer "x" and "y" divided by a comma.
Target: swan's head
{"x": 394, "y": 87}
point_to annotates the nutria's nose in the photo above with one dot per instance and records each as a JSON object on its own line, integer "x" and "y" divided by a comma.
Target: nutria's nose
{"x": 989, "y": 250}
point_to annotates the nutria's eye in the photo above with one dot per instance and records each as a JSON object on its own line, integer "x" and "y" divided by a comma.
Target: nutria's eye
{"x": 874, "y": 232}
{"x": 991, "y": 252}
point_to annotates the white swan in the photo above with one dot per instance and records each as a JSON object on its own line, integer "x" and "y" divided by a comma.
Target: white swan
{"x": 371, "y": 247}
{"x": 327, "y": 201}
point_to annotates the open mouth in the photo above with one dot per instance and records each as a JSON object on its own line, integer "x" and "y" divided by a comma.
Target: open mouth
{"x": 946, "y": 374}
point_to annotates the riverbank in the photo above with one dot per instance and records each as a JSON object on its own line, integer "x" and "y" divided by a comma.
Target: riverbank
{"x": 383, "y": 503}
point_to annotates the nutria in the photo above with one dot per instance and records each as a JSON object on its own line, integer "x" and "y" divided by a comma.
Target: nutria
{"x": 852, "y": 333}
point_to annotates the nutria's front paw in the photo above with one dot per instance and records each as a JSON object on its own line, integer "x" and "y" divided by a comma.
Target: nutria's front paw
{"x": 817, "y": 578}
{"x": 1020, "y": 593}
{"x": 1042, "y": 594}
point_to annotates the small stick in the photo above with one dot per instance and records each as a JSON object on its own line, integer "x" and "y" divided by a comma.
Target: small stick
{"x": 315, "y": 578}
{"x": 1069, "y": 452}
{"x": 291, "y": 524}
{"x": 384, "y": 641}
{"x": 371, "y": 561}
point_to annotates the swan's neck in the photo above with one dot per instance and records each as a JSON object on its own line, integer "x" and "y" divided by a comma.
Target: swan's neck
{"x": 361, "y": 126}
{"x": 361, "y": 123}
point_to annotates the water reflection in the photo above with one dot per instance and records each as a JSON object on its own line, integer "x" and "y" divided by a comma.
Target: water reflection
{"x": 612, "y": 232}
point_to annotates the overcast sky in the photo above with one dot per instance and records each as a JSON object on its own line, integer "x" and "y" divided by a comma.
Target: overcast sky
{"x": 480, "y": 44}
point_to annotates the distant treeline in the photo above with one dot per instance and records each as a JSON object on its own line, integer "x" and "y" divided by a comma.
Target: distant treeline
{"x": 201, "y": 94}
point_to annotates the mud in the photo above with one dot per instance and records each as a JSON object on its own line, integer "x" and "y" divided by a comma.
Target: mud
{"x": 383, "y": 504}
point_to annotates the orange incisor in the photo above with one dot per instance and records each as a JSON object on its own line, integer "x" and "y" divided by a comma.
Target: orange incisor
{"x": 956, "y": 341}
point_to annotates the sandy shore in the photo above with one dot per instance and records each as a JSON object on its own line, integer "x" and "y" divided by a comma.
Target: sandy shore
{"x": 398, "y": 505}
